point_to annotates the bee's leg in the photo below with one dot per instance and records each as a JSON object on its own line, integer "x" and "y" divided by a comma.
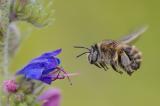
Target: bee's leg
{"x": 114, "y": 65}
{"x": 96, "y": 64}
{"x": 103, "y": 65}
{"x": 114, "y": 62}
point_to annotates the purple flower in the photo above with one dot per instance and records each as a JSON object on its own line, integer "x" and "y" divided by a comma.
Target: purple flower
{"x": 51, "y": 97}
{"x": 44, "y": 68}
{"x": 10, "y": 86}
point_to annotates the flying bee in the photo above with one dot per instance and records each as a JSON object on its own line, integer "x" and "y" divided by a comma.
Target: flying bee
{"x": 119, "y": 54}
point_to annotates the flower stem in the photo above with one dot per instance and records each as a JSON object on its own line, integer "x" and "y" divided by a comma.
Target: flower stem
{"x": 4, "y": 23}
{"x": 6, "y": 56}
{"x": 4, "y": 36}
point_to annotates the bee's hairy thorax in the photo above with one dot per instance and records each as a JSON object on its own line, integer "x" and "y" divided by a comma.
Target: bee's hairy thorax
{"x": 107, "y": 50}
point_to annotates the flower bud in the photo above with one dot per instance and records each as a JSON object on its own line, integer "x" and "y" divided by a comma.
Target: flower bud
{"x": 10, "y": 86}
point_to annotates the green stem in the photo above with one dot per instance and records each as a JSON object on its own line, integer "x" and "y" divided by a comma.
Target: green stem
{"x": 6, "y": 56}
{"x": 4, "y": 23}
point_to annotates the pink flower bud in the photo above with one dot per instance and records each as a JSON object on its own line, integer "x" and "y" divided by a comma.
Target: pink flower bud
{"x": 10, "y": 86}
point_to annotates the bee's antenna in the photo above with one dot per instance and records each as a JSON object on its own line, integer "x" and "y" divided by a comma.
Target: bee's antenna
{"x": 81, "y": 47}
{"x": 82, "y": 54}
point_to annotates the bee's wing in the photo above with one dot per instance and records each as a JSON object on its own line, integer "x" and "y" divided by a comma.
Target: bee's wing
{"x": 133, "y": 36}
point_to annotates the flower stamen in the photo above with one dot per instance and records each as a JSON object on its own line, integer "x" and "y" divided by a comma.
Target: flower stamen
{"x": 65, "y": 74}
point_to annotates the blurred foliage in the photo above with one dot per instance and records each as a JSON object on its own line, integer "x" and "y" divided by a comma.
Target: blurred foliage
{"x": 84, "y": 22}
{"x": 35, "y": 12}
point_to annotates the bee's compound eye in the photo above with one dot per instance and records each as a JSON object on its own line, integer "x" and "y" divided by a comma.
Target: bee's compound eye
{"x": 90, "y": 59}
{"x": 93, "y": 57}
{"x": 95, "y": 53}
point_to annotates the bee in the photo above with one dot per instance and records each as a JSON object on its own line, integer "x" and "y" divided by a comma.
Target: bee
{"x": 120, "y": 54}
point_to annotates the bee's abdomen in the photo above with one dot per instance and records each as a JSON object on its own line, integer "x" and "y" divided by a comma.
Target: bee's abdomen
{"x": 134, "y": 55}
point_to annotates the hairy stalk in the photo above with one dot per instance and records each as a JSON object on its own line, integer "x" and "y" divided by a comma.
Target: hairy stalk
{"x": 6, "y": 56}
{"x": 4, "y": 23}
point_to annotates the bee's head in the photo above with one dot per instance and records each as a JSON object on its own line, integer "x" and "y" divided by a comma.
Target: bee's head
{"x": 92, "y": 53}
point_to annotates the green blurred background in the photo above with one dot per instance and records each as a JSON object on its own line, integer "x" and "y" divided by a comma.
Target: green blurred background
{"x": 84, "y": 22}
